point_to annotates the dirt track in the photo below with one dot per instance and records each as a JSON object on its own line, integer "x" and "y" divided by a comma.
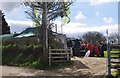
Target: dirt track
{"x": 88, "y": 66}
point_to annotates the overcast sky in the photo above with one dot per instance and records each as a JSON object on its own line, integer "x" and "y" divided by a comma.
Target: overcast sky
{"x": 92, "y": 15}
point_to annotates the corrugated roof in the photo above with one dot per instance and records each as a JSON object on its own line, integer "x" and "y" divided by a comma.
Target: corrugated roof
{"x": 28, "y": 32}
{"x": 33, "y": 30}
{"x": 25, "y": 35}
{"x": 6, "y": 36}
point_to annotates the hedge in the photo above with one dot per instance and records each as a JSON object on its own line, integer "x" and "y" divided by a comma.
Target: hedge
{"x": 25, "y": 55}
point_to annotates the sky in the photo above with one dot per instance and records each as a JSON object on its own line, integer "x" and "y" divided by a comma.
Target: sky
{"x": 90, "y": 15}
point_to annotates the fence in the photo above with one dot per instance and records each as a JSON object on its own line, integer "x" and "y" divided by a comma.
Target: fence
{"x": 59, "y": 55}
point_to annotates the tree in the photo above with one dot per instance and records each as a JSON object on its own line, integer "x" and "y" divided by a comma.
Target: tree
{"x": 4, "y": 28}
{"x": 49, "y": 11}
{"x": 94, "y": 37}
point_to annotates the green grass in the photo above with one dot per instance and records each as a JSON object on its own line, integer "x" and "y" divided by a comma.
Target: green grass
{"x": 115, "y": 73}
{"x": 105, "y": 53}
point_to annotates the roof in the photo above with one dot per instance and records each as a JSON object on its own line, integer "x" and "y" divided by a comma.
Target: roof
{"x": 25, "y": 35}
{"x": 28, "y": 32}
{"x": 6, "y": 36}
{"x": 31, "y": 31}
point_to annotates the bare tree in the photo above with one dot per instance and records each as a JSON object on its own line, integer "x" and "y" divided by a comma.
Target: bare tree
{"x": 54, "y": 10}
{"x": 114, "y": 38}
{"x": 94, "y": 37}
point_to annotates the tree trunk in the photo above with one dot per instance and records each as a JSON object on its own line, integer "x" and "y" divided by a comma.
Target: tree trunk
{"x": 44, "y": 34}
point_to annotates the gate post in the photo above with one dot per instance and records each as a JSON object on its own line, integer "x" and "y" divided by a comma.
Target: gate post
{"x": 108, "y": 70}
{"x": 49, "y": 56}
{"x": 71, "y": 51}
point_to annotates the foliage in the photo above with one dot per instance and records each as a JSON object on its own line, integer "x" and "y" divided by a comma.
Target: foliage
{"x": 20, "y": 41}
{"x": 94, "y": 37}
{"x": 4, "y": 25}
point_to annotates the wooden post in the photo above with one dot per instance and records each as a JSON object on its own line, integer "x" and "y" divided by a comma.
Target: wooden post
{"x": 108, "y": 61}
{"x": 61, "y": 29}
{"x": 49, "y": 56}
{"x": 56, "y": 28}
{"x": 71, "y": 51}
{"x": 108, "y": 57}
{"x": 67, "y": 50}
